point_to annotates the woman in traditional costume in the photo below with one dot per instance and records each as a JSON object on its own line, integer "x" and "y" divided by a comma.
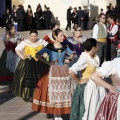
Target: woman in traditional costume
{"x": 55, "y": 89}
{"x": 9, "y": 59}
{"x": 110, "y": 106}
{"x": 29, "y": 68}
{"x": 75, "y": 43}
{"x": 50, "y": 37}
{"x": 87, "y": 96}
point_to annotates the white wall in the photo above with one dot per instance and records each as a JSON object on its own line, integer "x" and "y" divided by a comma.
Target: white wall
{"x": 59, "y": 7}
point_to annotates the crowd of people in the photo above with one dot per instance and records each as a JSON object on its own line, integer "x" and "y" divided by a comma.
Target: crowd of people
{"x": 27, "y": 20}
{"x": 62, "y": 74}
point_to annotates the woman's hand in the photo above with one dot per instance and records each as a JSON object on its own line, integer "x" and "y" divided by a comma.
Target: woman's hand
{"x": 84, "y": 80}
{"x": 67, "y": 61}
{"x": 22, "y": 57}
{"x": 53, "y": 62}
{"x": 113, "y": 89}
{"x": 45, "y": 55}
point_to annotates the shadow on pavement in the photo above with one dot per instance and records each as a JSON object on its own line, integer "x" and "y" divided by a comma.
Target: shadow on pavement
{"x": 5, "y": 96}
{"x": 65, "y": 117}
{"x": 49, "y": 116}
{"x": 29, "y": 116}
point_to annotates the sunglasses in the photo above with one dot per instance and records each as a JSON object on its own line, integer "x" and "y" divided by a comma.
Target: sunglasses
{"x": 103, "y": 18}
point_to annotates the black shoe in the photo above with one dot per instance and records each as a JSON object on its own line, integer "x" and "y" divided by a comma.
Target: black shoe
{"x": 26, "y": 99}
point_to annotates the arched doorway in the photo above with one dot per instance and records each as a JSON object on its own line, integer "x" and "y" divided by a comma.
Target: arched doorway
{"x": 4, "y": 5}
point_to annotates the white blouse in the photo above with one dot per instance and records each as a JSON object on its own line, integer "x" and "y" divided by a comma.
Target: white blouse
{"x": 83, "y": 61}
{"x": 27, "y": 42}
{"x": 109, "y": 68}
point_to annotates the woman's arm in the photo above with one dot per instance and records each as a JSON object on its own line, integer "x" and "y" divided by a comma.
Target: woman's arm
{"x": 71, "y": 57}
{"x": 20, "y": 54}
{"x": 42, "y": 59}
{"x": 79, "y": 81}
{"x": 7, "y": 38}
{"x": 19, "y": 50}
{"x": 74, "y": 76}
{"x": 96, "y": 77}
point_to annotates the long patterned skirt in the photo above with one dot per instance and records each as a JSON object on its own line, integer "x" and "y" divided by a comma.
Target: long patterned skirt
{"x": 110, "y": 108}
{"x": 6, "y": 76}
{"x": 26, "y": 77}
{"x": 54, "y": 91}
{"x": 86, "y": 101}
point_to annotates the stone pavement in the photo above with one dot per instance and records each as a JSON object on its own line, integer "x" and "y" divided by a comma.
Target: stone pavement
{"x": 14, "y": 108}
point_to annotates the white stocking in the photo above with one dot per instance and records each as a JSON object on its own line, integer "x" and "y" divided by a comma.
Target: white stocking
{"x": 56, "y": 117}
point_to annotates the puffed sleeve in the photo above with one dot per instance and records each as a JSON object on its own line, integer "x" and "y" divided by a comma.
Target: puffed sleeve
{"x": 45, "y": 43}
{"x": 21, "y": 46}
{"x": 42, "y": 42}
{"x": 44, "y": 50}
{"x": 79, "y": 65}
{"x": 47, "y": 39}
{"x": 3, "y": 38}
{"x": 106, "y": 69}
{"x": 18, "y": 36}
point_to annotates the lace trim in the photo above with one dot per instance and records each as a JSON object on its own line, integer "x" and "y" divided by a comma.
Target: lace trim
{"x": 56, "y": 105}
{"x": 60, "y": 89}
{"x": 12, "y": 61}
{"x": 13, "y": 40}
{"x": 36, "y": 44}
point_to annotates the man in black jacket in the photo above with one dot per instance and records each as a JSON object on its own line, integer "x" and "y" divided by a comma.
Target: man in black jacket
{"x": 47, "y": 17}
{"x": 80, "y": 17}
{"x": 69, "y": 18}
{"x": 20, "y": 17}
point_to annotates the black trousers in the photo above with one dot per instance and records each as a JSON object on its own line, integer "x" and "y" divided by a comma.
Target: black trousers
{"x": 68, "y": 24}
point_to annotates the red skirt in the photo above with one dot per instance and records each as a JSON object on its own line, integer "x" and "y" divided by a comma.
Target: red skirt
{"x": 108, "y": 108}
{"x": 54, "y": 91}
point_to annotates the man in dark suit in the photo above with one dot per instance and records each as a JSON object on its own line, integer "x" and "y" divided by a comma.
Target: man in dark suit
{"x": 20, "y": 17}
{"x": 80, "y": 17}
{"x": 69, "y": 18}
{"x": 47, "y": 17}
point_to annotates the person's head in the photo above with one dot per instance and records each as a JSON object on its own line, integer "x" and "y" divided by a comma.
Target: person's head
{"x": 77, "y": 31}
{"x": 75, "y": 10}
{"x": 14, "y": 7}
{"x": 10, "y": 29}
{"x": 29, "y": 9}
{"x": 58, "y": 35}
{"x": 8, "y": 11}
{"x": 33, "y": 34}
{"x": 55, "y": 26}
{"x": 108, "y": 7}
{"x": 101, "y": 10}
{"x": 45, "y": 8}
{"x": 79, "y": 8}
{"x": 102, "y": 18}
{"x": 29, "y": 6}
{"x": 112, "y": 18}
{"x": 70, "y": 7}
{"x": 90, "y": 45}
